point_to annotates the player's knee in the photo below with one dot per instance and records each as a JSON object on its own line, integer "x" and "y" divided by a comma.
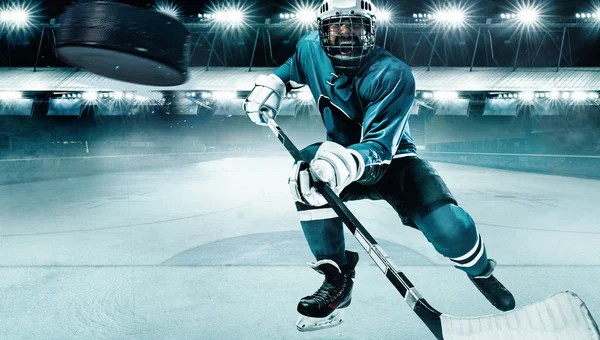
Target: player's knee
{"x": 449, "y": 227}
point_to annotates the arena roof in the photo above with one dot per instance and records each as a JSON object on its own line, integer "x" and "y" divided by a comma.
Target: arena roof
{"x": 239, "y": 79}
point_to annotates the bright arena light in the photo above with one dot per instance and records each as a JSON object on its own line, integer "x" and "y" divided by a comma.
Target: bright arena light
{"x": 118, "y": 95}
{"x": 230, "y": 16}
{"x": 452, "y": 17}
{"x": 526, "y": 96}
{"x": 303, "y": 14}
{"x": 383, "y": 15}
{"x": 529, "y": 16}
{"x": 593, "y": 95}
{"x": 90, "y": 96}
{"x": 168, "y": 8}
{"x": 566, "y": 95}
{"x": 306, "y": 15}
{"x": 15, "y": 16}
{"x": 554, "y": 95}
{"x": 11, "y": 95}
{"x": 579, "y": 96}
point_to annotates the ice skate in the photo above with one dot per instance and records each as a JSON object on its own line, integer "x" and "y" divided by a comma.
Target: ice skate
{"x": 492, "y": 289}
{"x": 325, "y": 307}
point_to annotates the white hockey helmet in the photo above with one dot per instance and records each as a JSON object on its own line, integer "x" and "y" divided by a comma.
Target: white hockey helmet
{"x": 347, "y": 47}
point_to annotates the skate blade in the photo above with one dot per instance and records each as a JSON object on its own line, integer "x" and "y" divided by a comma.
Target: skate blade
{"x": 308, "y": 324}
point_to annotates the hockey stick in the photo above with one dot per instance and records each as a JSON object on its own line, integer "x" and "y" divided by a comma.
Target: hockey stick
{"x": 512, "y": 325}
{"x": 429, "y": 315}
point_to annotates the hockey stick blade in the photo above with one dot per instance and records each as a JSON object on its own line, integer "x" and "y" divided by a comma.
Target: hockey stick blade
{"x": 562, "y": 316}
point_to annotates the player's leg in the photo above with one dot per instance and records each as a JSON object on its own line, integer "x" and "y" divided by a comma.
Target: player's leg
{"x": 325, "y": 236}
{"x": 422, "y": 197}
{"x": 453, "y": 234}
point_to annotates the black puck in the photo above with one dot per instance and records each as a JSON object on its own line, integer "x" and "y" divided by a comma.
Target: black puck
{"x": 125, "y": 43}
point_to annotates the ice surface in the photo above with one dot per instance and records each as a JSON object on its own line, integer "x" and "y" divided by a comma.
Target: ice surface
{"x": 214, "y": 251}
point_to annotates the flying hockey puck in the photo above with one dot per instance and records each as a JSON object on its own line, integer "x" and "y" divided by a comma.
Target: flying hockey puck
{"x": 124, "y": 42}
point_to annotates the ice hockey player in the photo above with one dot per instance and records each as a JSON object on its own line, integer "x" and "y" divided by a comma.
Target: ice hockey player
{"x": 364, "y": 95}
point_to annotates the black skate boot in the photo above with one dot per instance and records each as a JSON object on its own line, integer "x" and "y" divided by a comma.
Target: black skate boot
{"x": 492, "y": 289}
{"x": 323, "y": 308}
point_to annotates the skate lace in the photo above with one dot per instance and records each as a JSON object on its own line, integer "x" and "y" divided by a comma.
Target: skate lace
{"x": 327, "y": 293}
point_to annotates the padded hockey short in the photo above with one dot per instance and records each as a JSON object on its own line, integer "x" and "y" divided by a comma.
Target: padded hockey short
{"x": 410, "y": 185}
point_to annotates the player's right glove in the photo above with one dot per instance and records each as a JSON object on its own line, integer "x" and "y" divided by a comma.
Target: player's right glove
{"x": 334, "y": 165}
{"x": 266, "y": 97}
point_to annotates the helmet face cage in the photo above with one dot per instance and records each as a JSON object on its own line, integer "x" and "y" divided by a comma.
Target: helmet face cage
{"x": 347, "y": 50}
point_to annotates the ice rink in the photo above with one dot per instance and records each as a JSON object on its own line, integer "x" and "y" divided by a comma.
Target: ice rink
{"x": 214, "y": 250}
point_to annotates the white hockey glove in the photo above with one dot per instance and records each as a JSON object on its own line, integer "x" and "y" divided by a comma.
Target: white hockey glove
{"x": 266, "y": 97}
{"x": 334, "y": 165}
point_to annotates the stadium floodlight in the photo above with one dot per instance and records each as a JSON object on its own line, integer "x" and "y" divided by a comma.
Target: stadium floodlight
{"x": 168, "y": 8}
{"x": 15, "y": 16}
{"x": 427, "y": 95}
{"x": 451, "y": 17}
{"x": 554, "y": 95}
{"x": 232, "y": 16}
{"x": 445, "y": 95}
{"x": 526, "y": 96}
{"x": 206, "y": 95}
{"x": 593, "y": 95}
{"x": 566, "y": 95}
{"x": 129, "y": 96}
{"x": 118, "y": 95}
{"x": 90, "y": 96}
{"x": 577, "y": 15}
{"x": 529, "y": 16}
{"x": 383, "y": 15}
{"x": 223, "y": 95}
{"x": 579, "y": 96}
{"x": 306, "y": 16}
{"x": 11, "y": 95}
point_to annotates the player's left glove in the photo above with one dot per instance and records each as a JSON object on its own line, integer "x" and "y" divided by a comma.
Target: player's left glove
{"x": 334, "y": 165}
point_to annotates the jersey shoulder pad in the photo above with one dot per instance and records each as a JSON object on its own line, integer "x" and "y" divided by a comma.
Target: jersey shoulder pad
{"x": 310, "y": 40}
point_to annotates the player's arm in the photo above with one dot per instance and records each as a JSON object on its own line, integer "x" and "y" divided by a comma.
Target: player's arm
{"x": 268, "y": 92}
{"x": 390, "y": 97}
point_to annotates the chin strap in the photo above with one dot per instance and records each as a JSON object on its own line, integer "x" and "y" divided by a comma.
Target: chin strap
{"x": 334, "y": 77}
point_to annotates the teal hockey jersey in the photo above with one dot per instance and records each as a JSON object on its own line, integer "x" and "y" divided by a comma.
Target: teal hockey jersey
{"x": 367, "y": 112}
